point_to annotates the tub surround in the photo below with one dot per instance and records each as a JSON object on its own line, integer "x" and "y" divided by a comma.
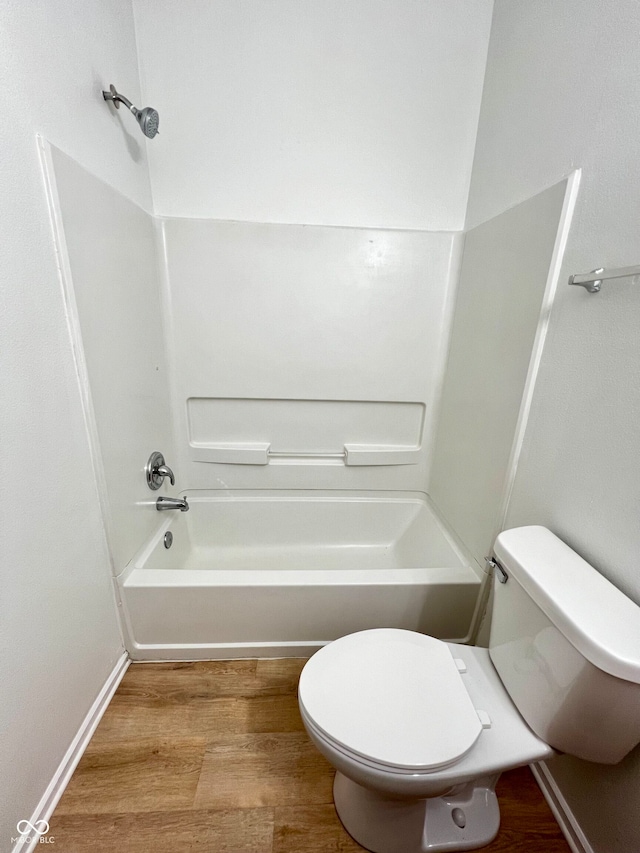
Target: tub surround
{"x": 290, "y": 343}
{"x": 503, "y": 299}
{"x": 107, "y": 250}
{"x": 303, "y": 368}
{"x": 298, "y": 358}
{"x": 314, "y": 358}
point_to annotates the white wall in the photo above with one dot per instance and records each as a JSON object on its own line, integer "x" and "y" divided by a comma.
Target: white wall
{"x": 267, "y": 318}
{"x": 563, "y": 90}
{"x": 113, "y": 283}
{"x": 59, "y": 636}
{"x": 358, "y": 113}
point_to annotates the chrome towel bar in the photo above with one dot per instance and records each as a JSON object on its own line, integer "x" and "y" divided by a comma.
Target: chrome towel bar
{"x": 592, "y": 281}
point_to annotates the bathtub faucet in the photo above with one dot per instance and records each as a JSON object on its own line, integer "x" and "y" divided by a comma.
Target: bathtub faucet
{"x": 172, "y": 503}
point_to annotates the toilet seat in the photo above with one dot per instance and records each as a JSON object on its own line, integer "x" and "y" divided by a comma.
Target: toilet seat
{"x": 391, "y": 698}
{"x": 367, "y": 763}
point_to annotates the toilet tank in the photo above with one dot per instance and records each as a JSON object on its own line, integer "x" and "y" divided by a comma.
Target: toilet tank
{"x": 566, "y": 644}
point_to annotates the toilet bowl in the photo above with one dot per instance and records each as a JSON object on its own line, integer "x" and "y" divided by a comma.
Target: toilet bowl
{"x": 419, "y": 730}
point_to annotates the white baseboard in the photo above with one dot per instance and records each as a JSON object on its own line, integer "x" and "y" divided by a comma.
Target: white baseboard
{"x": 576, "y": 839}
{"x": 61, "y": 777}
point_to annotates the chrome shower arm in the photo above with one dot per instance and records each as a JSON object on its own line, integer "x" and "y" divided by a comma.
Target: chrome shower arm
{"x": 117, "y": 99}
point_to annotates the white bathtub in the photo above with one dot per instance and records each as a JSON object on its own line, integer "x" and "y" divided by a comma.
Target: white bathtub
{"x": 255, "y": 573}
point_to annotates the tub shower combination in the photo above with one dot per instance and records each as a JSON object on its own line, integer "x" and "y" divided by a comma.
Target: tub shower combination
{"x": 322, "y": 392}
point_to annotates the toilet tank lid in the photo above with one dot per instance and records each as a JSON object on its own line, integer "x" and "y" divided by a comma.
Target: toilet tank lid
{"x": 600, "y": 621}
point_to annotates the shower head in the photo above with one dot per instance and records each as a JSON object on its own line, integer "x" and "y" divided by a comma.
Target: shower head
{"x": 147, "y": 118}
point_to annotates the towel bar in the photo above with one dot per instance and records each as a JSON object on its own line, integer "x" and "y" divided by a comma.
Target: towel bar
{"x": 592, "y": 281}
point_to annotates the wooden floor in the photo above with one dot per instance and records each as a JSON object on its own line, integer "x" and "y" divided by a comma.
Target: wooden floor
{"x": 213, "y": 757}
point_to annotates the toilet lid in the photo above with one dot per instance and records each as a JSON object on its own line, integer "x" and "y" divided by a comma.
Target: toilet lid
{"x": 392, "y": 696}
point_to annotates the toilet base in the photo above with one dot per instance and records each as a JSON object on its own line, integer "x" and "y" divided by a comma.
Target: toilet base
{"x": 385, "y": 825}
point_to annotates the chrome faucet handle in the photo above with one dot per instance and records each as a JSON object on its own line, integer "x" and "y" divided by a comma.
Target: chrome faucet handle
{"x": 164, "y": 471}
{"x": 156, "y": 470}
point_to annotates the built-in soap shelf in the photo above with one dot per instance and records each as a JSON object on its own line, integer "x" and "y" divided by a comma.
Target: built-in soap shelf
{"x": 260, "y": 453}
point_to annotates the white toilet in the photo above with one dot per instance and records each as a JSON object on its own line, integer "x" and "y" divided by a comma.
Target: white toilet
{"x": 419, "y": 730}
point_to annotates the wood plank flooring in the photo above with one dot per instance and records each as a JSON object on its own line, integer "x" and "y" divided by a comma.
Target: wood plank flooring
{"x": 213, "y": 757}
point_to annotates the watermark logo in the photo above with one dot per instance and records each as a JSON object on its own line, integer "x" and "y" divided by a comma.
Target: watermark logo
{"x": 40, "y": 827}
{"x": 33, "y": 831}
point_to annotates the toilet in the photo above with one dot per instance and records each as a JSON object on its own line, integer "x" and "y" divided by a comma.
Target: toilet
{"x": 419, "y": 730}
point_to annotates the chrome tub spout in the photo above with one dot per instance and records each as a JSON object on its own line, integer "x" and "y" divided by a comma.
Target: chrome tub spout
{"x": 172, "y": 503}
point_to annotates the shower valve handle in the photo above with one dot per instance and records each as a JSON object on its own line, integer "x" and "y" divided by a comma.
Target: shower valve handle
{"x": 164, "y": 471}
{"x": 156, "y": 471}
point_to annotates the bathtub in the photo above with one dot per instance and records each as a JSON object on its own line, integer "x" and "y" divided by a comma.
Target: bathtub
{"x": 257, "y": 573}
